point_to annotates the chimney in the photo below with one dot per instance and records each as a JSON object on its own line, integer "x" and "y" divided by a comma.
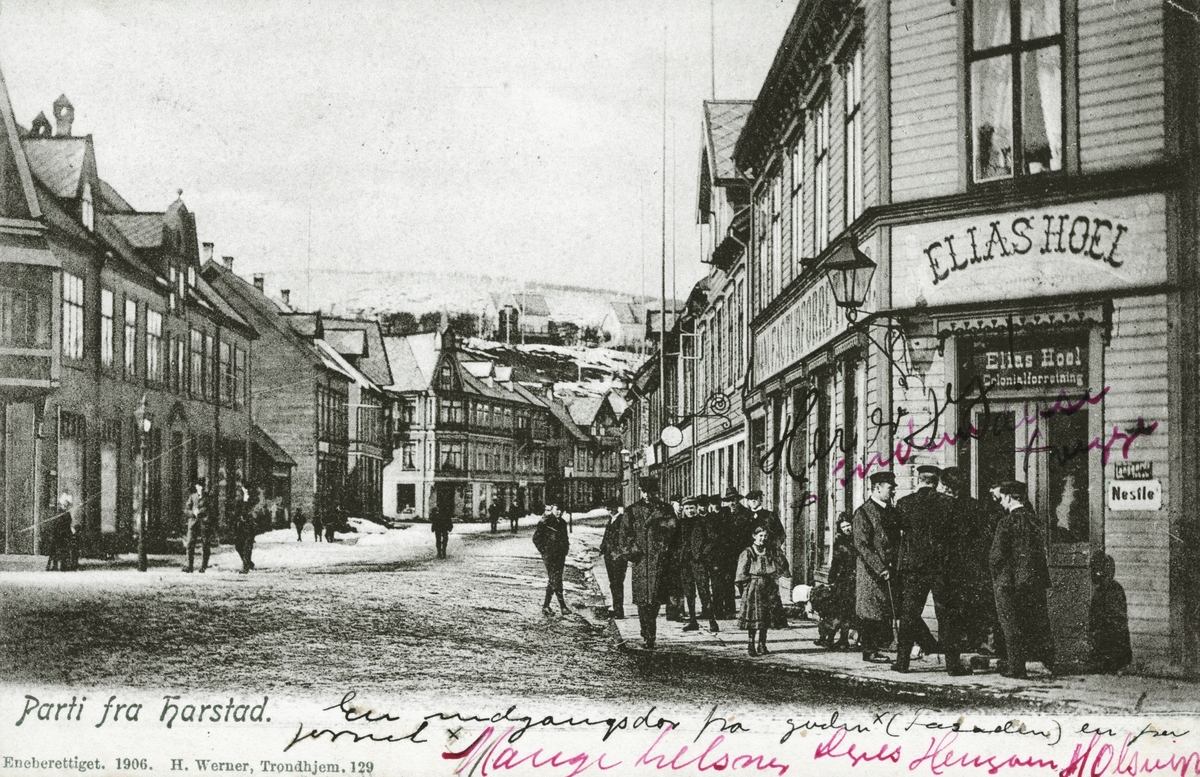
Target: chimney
{"x": 258, "y": 281}
{"x": 206, "y": 253}
{"x": 228, "y": 262}
{"x": 287, "y": 296}
{"x": 64, "y": 116}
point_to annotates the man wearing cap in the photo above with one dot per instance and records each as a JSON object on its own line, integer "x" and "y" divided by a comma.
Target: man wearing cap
{"x": 651, "y": 527}
{"x": 694, "y": 551}
{"x": 760, "y": 516}
{"x": 924, "y": 519}
{"x": 550, "y": 539}
{"x": 1020, "y": 577}
{"x": 875, "y": 546}
{"x": 611, "y": 547}
{"x": 967, "y": 572}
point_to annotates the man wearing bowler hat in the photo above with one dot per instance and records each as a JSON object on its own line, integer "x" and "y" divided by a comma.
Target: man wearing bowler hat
{"x": 926, "y": 527}
{"x": 875, "y": 545}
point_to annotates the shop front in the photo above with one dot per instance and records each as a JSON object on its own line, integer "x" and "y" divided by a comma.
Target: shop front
{"x": 1051, "y": 369}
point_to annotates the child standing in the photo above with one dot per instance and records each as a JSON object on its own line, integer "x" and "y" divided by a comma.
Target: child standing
{"x": 758, "y": 572}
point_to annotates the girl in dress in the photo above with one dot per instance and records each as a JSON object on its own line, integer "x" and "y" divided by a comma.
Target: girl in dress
{"x": 759, "y": 569}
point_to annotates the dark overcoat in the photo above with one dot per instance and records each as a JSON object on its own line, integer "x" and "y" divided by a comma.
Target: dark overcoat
{"x": 652, "y": 526}
{"x": 615, "y": 539}
{"x": 875, "y": 547}
{"x": 1018, "y": 554}
{"x": 769, "y": 521}
{"x": 694, "y": 549}
{"x": 925, "y": 520}
{"x": 550, "y": 537}
{"x": 843, "y": 576}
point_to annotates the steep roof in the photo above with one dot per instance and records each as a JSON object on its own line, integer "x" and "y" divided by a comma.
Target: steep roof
{"x": 628, "y": 313}
{"x": 374, "y": 360}
{"x": 142, "y": 230}
{"x": 268, "y": 446}
{"x": 560, "y": 412}
{"x": 532, "y": 304}
{"x": 347, "y": 342}
{"x": 57, "y": 163}
{"x": 116, "y": 203}
{"x": 723, "y": 122}
{"x": 334, "y": 361}
{"x": 413, "y": 360}
{"x": 14, "y": 155}
{"x": 583, "y": 408}
{"x": 304, "y": 324}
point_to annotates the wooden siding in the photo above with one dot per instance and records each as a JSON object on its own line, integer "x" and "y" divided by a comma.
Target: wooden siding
{"x": 1120, "y": 83}
{"x": 1135, "y": 370}
{"x": 925, "y": 75}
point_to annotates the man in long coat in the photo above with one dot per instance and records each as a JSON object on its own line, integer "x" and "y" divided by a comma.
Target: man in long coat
{"x": 612, "y": 547}
{"x": 925, "y": 521}
{"x": 729, "y": 527}
{"x": 1020, "y": 578}
{"x": 968, "y": 577}
{"x": 199, "y": 529}
{"x": 760, "y": 516}
{"x": 694, "y": 552}
{"x": 875, "y": 540}
{"x": 651, "y": 527}
{"x": 550, "y": 539}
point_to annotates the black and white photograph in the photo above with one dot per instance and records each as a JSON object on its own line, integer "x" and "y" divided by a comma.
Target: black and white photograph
{"x": 527, "y": 387}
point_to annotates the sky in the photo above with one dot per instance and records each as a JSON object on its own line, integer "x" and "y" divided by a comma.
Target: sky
{"x": 504, "y": 137}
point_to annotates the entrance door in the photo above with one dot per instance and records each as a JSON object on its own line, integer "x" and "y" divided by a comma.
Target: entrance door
{"x": 1037, "y": 442}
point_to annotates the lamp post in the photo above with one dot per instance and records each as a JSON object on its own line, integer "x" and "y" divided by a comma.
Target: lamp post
{"x": 143, "y": 425}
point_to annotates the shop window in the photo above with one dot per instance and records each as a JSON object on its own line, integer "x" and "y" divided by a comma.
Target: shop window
{"x": 1015, "y": 77}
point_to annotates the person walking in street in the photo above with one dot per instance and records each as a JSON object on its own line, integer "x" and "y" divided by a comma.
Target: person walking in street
{"x": 728, "y": 523}
{"x": 760, "y": 516}
{"x": 835, "y": 633}
{"x": 615, "y": 563}
{"x": 651, "y": 526}
{"x": 199, "y": 529}
{"x": 514, "y": 517}
{"x": 245, "y": 524}
{"x": 1020, "y": 578}
{"x": 551, "y": 540}
{"x": 493, "y": 513}
{"x": 875, "y": 540}
{"x": 924, "y": 562}
{"x": 298, "y": 520}
{"x": 441, "y": 525}
{"x": 694, "y": 550}
{"x": 59, "y": 535}
{"x": 759, "y": 568}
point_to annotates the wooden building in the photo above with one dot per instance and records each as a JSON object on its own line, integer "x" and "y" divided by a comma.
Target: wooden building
{"x": 1010, "y": 186}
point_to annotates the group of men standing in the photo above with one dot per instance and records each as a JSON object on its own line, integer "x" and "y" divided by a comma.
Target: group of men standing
{"x": 984, "y": 564}
{"x": 681, "y": 551}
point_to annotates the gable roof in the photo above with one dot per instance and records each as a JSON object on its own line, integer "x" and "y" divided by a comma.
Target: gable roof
{"x": 347, "y": 342}
{"x": 583, "y": 408}
{"x": 723, "y": 122}
{"x": 374, "y": 361}
{"x": 560, "y": 412}
{"x": 116, "y": 203}
{"x": 57, "y": 163}
{"x": 532, "y": 304}
{"x": 413, "y": 359}
{"x": 268, "y": 446}
{"x": 628, "y": 313}
{"x": 142, "y": 230}
{"x": 20, "y": 162}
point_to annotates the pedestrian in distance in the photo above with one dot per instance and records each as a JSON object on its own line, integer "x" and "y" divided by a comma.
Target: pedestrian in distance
{"x": 651, "y": 527}
{"x": 875, "y": 543}
{"x": 694, "y": 549}
{"x": 759, "y": 568}
{"x": 199, "y": 527}
{"x": 245, "y": 524}
{"x": 493, "y": 513}
{"x": 298, "y": 520}
{"x": 612, "y": 547}
{"x": 550, "y": 539}
{"x": 318, "y": 527}
{"x": 441, "y": 525}
{"x": 1020, "y": 578}
{"x": 514, "y": 517}
{"x": 59, "y": 535}
{"x": 924, "y": 560}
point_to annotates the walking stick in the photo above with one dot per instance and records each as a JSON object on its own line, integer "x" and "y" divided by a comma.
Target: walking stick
{"x": 895, "y": 616}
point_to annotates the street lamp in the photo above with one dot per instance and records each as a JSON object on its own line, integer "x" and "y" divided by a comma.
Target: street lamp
{"x": 143, "y": 425}
{"x": 849, "y": 271}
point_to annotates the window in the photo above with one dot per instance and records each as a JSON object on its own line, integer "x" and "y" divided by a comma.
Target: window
{"x": 798, "y": 205}
{"x": 171, "y": 306}
{"x": 106, "y": 327}
{"x": 87, "y": 213}
{"x": 197, "y": 357}
{"x": 1016, "y": 87}
{"x": 854, "y": 137}
{"x": 154, "y": 346}
{"x": 741, "y": 325}
{"x": 761, "y": 279}
{"x": 130, "y": 338}
{"x": 719, "y": 345}
{"x": 72, "y": 316}
{"x": 821, "y": 195}
{"x": 24, "y": 315}
{"x": 408, "y": 456}
{"x": 450, "y": 456}
{"x": 239, "y": 378}
{"x": 179, "y": 367}
{"x": 451, "y": 411}
{"x": 191, "y": 276}
{"x": 211, "y": 376}
{"x": 225, "y": 373}
{"x": 776, "y": 235}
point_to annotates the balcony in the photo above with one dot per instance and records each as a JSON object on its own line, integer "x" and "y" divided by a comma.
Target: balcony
{"x": 29, "y": 357}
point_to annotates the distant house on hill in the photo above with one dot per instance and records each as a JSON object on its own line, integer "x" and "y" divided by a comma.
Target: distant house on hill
{"x": 624, "y": 326}
{"x": 514, "y": 318}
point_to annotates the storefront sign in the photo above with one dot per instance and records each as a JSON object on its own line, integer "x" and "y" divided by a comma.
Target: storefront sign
{"x": 807, "y": 325}
{"x": 1052, "y": 360}
{"x": 1133, "y": 470}
{"x": 1083, "y": 246}
{"x": 1134, "y": 495}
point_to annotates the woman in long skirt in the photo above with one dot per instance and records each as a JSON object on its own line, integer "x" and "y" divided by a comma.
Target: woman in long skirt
{"x": 759, "y": 569}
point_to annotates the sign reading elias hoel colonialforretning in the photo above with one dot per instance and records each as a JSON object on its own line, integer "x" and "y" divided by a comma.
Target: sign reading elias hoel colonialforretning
{"x": 1134, "y": 495}
{"x": 1044, "y": 361}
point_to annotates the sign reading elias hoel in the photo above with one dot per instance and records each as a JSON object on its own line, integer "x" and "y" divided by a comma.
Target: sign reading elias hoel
{"x": 1045, "y": 360}
{"x": 1134, "y": 495}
